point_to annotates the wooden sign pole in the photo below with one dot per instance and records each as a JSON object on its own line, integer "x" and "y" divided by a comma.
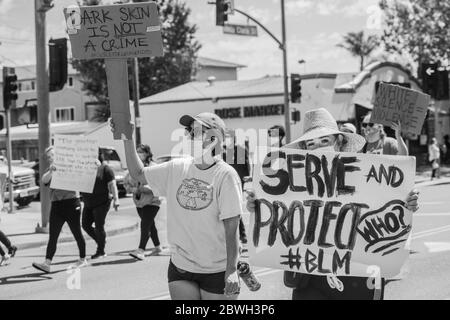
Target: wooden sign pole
{"x": 118, "y": 92}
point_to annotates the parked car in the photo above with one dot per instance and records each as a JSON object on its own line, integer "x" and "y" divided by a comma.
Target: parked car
{"x": 113, "y": 160}
{"x": 24, "y": 184}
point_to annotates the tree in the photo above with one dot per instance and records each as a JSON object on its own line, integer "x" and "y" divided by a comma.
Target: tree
{"x": 156, "y": 74}
{"x": 418, "y": 28}
{"x": 359, "y": 46}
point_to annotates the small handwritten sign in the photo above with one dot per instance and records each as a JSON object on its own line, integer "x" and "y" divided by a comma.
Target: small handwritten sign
{"x": 75, "y": 162}
{"x": 317, "y": 212}
{"x": 395, "y": 103}
{"x": 116, "y": 31}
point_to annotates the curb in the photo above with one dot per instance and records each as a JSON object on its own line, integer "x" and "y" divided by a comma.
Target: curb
{"x": 68, "y": 239}
{"x": 437, "y": 182}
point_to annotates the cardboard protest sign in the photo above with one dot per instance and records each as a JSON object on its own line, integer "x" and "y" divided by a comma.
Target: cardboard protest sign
{"x": 324, "y": 213}
{"x": 75, "y": 162}
{"x": 394, "y": 103}
{"x": 116, "y": 33}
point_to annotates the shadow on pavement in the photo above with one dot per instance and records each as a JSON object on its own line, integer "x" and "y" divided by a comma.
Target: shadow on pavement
{"x": 25, "y": 278}
{"x": 115, "y": 262}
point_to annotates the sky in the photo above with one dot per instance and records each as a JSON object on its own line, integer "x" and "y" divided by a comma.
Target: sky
{"x": 313, "y": 27}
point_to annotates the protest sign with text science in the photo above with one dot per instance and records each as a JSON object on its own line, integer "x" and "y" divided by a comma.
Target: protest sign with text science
{"x": 395, "y": 103}
{"x": 331, "y": 213}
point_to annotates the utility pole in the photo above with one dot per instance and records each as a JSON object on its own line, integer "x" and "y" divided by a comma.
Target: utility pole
{"x": 42, "y": 85}
{"x": 287, "y": 113}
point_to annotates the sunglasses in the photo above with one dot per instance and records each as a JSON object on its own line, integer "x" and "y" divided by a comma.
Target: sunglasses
{"x": 365, "y": 125}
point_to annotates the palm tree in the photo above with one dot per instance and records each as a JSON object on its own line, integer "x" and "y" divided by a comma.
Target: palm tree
{"x": 359, "y": 46}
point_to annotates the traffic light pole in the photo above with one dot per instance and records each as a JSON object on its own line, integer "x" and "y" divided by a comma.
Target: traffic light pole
{"x": 43, "y": 110}
{"x": 9, "y": 157}
{"x": 283, "y": 47}
{"x": 287, "y": 113}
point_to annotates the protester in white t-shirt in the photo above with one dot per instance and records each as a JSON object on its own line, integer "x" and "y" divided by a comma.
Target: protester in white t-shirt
{"x": 204, "y": 205}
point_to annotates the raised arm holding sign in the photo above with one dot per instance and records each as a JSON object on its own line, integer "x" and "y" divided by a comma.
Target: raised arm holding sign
{"x": 115, "y": 33}
{"x": 395, "y": 103}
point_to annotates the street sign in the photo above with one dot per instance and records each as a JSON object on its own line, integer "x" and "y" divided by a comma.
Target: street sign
{"x": 241, "y": 30}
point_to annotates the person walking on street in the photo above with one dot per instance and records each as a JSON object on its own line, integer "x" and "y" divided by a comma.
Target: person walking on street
{"x": 65, "y": 207}
{"x": 434, "y": 156}
{"x": 147, "y": 205}
{"x": 97, "y": 205}
{"x": 204, "y": 204}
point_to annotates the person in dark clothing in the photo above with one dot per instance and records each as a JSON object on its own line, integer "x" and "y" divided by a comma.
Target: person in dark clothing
{"x": 97, "y": 205}
{"x": 277, "y": 135}
{"x": 238, "y": 157}
{"x": 65, "y": 207}
{"x": 147, "y": 205}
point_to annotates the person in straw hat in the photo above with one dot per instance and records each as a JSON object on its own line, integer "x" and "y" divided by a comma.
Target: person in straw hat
{"x": 321, "y": 132}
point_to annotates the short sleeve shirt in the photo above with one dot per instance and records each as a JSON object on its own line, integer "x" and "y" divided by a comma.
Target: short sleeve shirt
{"x": 100, "y": 195}
{"x": 197, "y": 203}
{"x": 387, "y": 146}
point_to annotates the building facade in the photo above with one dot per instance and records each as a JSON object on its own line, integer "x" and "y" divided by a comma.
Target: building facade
{"x": 256, "y": 105}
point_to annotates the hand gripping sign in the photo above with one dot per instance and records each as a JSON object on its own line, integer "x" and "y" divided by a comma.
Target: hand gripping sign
{"x": 115, "y": 33}
{"x": 329, "y": 213}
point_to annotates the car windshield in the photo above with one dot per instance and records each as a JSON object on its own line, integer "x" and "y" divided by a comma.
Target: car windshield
{"x": 110, "y": 154}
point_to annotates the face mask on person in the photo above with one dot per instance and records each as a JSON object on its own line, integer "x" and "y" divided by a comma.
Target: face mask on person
{"x": 326, "y": 143}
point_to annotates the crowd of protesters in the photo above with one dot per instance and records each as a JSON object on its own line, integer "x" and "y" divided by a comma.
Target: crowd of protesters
{"x": 204, "y": 195}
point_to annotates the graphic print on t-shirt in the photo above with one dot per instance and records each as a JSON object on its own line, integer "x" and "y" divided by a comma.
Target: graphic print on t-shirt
{"x": 194, "y": 194}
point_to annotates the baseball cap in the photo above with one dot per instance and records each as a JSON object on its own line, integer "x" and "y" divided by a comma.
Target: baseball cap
{"x": 348, "y": 127}
{"x": 206, "y": 119}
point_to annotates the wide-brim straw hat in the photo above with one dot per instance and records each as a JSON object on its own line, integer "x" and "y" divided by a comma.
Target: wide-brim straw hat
{"x": 319, "y": 123}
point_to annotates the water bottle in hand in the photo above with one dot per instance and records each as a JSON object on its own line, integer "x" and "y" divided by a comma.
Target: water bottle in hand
{"x": 248, "y": 277}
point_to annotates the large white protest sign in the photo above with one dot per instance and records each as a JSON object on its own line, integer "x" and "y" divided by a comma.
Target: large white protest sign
{"x": 323, "y": 213}
{"x": 75, "y": 162}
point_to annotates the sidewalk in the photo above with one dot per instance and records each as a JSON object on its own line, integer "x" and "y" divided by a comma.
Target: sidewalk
{"x": 424, "y": 174}
{"x": 20, "y": 227}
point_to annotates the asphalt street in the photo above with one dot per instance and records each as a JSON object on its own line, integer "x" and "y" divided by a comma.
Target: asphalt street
{"x": 118, "y": 276}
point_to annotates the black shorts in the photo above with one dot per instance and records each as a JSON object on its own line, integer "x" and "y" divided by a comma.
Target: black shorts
{"x": 209, "y": 282}
{"x": 355, "y": 288}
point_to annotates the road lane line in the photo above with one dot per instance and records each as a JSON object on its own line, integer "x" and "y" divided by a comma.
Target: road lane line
{"x": 443, "y": 214}
{"x": 430, "y": 232}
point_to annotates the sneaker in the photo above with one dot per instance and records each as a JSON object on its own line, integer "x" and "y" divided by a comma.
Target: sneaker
{"x": 138, "y": 254}
{"x": 81, "y": 263}
{"x": 5, "y": 260}
{"x": 12, "y": 251}
{"x": 44, "y": 267}
{"x": 158, "y": 251}
{"x": 98, "y": 255}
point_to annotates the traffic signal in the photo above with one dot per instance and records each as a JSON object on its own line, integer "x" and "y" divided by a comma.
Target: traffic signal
{"x": 296, "y": 88}
{"x": 9, "y": 87}
{"x": 223, "y": 9}
{"x": 57, "y": 63}
{"x": 435, "y": 81}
